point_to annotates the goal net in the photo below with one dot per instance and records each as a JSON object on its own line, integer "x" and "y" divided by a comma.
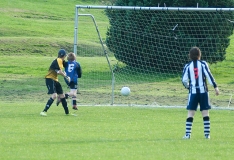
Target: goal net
{"x": 145, "y": 48}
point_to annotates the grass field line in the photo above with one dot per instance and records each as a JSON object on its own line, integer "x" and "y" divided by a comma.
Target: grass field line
{"x": 150, "y": 106}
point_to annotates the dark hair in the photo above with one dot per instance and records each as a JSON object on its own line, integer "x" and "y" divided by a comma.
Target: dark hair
{"x": 71, "y": 56}
{"x": 195, "y": 53}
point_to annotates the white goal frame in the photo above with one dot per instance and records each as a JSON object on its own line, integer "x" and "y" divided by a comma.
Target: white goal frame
{"x": 76, "y": 26}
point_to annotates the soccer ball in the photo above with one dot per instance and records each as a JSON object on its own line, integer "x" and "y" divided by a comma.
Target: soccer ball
{"x": 125, "y": 91}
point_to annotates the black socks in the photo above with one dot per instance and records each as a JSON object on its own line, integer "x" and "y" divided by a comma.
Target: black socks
{"x": 48, "y": 104}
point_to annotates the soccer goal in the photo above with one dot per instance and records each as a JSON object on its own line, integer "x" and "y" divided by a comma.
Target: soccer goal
{"x": 145, "y": 48}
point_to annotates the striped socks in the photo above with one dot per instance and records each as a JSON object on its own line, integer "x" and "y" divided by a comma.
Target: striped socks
{"x": 206, "y": 121}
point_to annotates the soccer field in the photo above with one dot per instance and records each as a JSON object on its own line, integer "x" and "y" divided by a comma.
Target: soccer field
{"x": 111, "y": 133}
{"x": 142, "y": 126}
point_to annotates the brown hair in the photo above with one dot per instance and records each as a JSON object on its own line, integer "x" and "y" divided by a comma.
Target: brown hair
{"x": 195, "y": 53}
{"x": 71, "y": 56}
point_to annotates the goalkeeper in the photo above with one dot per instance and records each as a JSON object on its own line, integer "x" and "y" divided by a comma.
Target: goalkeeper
{"x": 73, "y": 70}
{"x": 52, "y": 83}
{"x": 194, "y": 78}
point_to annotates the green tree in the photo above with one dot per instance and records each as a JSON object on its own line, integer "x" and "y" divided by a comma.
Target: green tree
{"x": 146, "y": 37}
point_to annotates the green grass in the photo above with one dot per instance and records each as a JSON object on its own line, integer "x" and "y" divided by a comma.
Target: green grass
{"x": 110, "y": 133}
{"x": 30, "y": 34}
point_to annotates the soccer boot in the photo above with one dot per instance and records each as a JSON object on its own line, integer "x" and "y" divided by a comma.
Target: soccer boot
{"x": 43, "y": 113}
{"x": 186, "y": 136}
{"x": 207, "y": 136}
{"x": 71, "y": 114}
{"x": 74, "y": 107}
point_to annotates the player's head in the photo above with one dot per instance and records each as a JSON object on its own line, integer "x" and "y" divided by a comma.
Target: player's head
{"x": 62, "y": 53}
{"x": 195, "y": 53}
{"x": 71, "y": 56}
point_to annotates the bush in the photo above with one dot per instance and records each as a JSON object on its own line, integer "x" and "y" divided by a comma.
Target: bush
{"x": 145, "y": 38}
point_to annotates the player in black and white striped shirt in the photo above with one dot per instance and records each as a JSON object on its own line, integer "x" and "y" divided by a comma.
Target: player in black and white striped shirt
{"x": 194, "y": 77}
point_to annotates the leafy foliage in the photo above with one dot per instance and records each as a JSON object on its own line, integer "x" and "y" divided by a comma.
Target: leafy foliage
{"x": 158, "y": 39}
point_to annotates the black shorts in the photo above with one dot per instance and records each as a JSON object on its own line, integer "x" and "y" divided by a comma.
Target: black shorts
{"x": 72, "y": 85}
{"x": 53, "y": 86}
{"x": 199, "y": 98}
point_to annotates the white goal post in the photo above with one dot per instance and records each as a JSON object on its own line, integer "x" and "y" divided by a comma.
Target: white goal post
{"x": 140, "y": 47}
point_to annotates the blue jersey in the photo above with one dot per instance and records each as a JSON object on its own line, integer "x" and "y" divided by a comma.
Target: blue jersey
{"x": 73, "y": 70}
{"x": 194, "y": 77}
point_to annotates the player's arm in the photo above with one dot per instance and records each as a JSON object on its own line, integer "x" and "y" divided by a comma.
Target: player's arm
{"x": 210, "y": 78}
{"x": 79, "y": 70}
{"x": 185, "y": 80}
{"x": 217, "y": 91}
{"x": 61, "y": 63}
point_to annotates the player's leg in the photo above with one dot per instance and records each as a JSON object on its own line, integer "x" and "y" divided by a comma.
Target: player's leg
{"x": 52, "y": 91}
{"x": 73, "y": 95}
{"x": 206, "y": 122}
{"x": 64, "y": 103}
{"x": 189, "y": 124}
{"x": 204, "y": 108}
{"x": 58, "y": 101}
{"x": 66, "y": 95}
{"x": 62, "y": 97}
{"x": 191, "y": 107}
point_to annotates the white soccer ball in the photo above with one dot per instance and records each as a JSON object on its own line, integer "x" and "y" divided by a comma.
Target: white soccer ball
{"x": 125, "y": 91}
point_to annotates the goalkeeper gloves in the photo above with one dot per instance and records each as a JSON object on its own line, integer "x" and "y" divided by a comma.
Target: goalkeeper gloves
{"x": 68, "y": 79}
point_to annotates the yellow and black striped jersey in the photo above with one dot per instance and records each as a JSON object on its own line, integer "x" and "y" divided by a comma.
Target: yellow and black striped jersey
{"x": 56, "y": 65}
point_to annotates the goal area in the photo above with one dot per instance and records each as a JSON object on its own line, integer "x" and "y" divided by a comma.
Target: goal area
{"x": 145, "y": 49}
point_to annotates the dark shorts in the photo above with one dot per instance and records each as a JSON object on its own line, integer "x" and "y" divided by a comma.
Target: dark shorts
{"x": 72, "y": 85}
{"x": 53, "y": 86}
{"x": 199, "y": 98}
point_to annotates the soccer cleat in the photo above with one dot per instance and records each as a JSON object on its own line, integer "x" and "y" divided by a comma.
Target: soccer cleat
{"x": 207, "y": 136}
{"x": 74, "y": 107}
{"x": 66, "y": 96}
{"x": 71, "y": 114}
{"x": 187, "y": 136}
{"x": 58, "y": 101}
{"x": 43, "y": 113}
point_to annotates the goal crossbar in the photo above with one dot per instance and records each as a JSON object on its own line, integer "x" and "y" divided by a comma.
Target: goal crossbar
{"x": 155, "y": 8}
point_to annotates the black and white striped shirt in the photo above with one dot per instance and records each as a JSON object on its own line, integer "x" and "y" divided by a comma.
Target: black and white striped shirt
{"x": 194, "y": 77}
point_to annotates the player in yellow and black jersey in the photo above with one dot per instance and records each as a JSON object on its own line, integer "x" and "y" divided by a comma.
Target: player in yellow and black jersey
{"x": 52, "y": 83}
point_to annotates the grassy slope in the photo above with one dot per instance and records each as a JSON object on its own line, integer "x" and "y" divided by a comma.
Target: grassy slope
{"x": 41, "y": 27}
{"x": 37, "y": 27}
